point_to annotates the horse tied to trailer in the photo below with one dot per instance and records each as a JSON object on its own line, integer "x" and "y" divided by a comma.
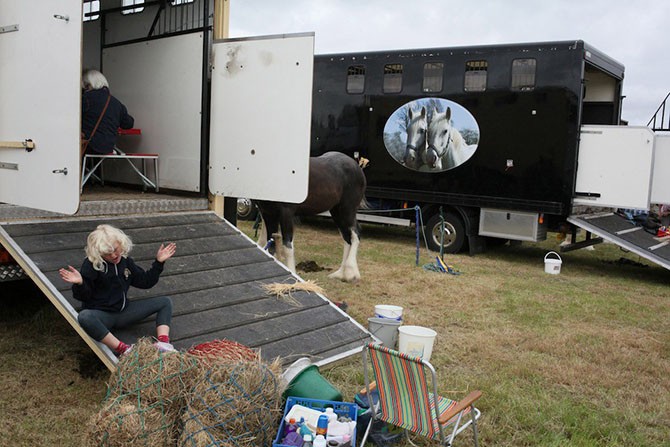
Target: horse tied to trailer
{"x": 336, "y": 184}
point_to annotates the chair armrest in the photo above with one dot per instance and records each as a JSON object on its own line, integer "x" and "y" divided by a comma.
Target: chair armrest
{"x": 460, "y": 406}
{"x": 373, "y": 386}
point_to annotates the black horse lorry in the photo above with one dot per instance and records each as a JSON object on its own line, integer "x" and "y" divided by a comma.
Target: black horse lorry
{"x": 497, "y": 142}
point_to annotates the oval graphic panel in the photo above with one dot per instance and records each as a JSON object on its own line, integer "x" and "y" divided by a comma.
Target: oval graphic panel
{"x": 431, "y": 135}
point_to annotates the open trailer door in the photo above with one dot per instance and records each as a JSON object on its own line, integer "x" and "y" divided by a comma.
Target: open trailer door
{"x": 261, "y": 108}
{"x": 40, "y": 49}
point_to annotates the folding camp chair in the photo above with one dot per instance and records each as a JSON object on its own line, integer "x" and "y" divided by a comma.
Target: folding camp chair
{"x": 407, "y": 398}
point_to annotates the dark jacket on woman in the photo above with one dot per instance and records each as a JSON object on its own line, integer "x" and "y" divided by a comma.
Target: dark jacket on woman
{"x": 116, "y": 115}
{"x": 108, "y": 290}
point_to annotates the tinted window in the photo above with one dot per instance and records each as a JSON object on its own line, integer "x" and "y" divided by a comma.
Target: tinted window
{"x": 523, "y": 74}
{"x": 356, "y": 79}
{"x": 392, "y": 78}
{"x": 432, "y": 76}
{"x": 475, "y": 76}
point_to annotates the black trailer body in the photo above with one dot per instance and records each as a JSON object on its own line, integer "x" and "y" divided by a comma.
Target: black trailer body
{"x": 519, "y": 109}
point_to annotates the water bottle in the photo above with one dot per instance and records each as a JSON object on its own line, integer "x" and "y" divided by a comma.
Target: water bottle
{"x": 320, "y": 441}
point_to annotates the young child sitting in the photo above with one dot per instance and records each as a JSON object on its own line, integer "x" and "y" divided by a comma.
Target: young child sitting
{"x": 102, "y": 286}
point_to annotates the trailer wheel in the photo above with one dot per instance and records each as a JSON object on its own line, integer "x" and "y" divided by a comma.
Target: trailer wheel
{"x": 454, "y": 233}
{"x": 246, "y": 209}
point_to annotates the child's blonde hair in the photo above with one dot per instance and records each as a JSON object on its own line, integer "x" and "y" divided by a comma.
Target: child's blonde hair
{"x": 101, "y": 242}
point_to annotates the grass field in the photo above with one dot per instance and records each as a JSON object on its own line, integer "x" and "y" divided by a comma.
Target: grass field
{"x": 576, "y": 359}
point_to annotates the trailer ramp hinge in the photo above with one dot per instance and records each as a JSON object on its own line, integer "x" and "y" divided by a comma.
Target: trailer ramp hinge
{"x": 60, "y": 171}
{"x": 62, "y": 17}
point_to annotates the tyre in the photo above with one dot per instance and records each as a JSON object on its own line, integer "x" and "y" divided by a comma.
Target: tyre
{"x": 453, "y": 239}
{"x": 246, "y": 209}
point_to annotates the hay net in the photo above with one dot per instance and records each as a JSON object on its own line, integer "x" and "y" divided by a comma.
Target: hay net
{"x": 234, "y": 404}
{"x": 222, "y": 394}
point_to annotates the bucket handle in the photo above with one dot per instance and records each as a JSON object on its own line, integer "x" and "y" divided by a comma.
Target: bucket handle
{"x": 557, "y": 255}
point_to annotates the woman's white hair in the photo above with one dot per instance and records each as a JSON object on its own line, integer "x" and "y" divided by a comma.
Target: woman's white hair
{"x": 93, "y": 80}
{"x": 102, "y": 242}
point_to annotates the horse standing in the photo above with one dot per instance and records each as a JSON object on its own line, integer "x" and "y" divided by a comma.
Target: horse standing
{"x": 336, "y": 184}
{"x": 417, "y": 126}
{"x": 446, "y": 147}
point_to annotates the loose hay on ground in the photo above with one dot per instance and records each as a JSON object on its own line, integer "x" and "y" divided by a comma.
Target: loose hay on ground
{"x": 234, "y": 404}
{"x": 284, "y": 290}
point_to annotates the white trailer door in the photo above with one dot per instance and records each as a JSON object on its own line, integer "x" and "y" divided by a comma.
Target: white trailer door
{"x": 40, "y": 90}
{"x": 615, "y": 166}
{"x": 261, "y": 116}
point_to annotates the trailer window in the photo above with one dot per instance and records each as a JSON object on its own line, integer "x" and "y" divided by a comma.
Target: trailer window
{"x": 432, "y": 76}
{"x": 355, "y": 79}
{"x": 131, "y": 3}
{"x": 475, "y": 76}
{"x": 523, "y": 74}
{"x": 91, "y": 7}
{"x": 392, "y": 78}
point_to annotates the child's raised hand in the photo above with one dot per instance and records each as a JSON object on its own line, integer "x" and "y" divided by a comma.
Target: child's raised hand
{"x": 165, "y": 252}
{"x": 71, "y": 275}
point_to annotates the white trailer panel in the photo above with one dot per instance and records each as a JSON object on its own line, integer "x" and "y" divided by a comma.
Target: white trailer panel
{"x": 261, "y": 117}
{"x": 615, "y": 167}
{"x": 40, "y": 91}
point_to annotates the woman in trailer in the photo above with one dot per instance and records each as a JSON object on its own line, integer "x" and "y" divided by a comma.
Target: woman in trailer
{"x": 101, "y": 114}
{"x": 102, "y": 286}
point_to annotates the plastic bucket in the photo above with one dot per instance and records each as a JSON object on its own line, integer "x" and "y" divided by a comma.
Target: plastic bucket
{"x": 311, "y": 384}
{"x": 552, "y": 265}
{"x": 388, "y": 311}
{"x": 385, "y": 329}
{"x": 416, "y": 341}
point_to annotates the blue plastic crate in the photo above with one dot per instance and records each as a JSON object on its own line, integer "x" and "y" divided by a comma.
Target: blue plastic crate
{"x": 340, "y": 408}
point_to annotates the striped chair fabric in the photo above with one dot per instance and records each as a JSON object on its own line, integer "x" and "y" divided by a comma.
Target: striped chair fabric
{"x": 404, "y": 396}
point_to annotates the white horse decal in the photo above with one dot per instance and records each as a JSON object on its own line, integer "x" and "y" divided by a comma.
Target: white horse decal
{"x": 446, "y": 147}
{"x": 417, "y": 125}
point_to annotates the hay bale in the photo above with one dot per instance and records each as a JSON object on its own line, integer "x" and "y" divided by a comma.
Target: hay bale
{"x": 153, "y": 376}
{"x": 122, "y": 422}
{"x": 235, "y": 404}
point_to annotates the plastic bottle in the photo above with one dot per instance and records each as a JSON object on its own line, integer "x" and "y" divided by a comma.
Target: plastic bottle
{"x": 290, "y": 427}
{"x": 322, "y": 426}
{"x": 331, "y": 414}
{"x": 307, "y": 441}
{"x": 320, "y": 441}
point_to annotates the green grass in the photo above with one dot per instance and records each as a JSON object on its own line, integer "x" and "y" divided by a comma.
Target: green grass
{"x": 576, "y": 359}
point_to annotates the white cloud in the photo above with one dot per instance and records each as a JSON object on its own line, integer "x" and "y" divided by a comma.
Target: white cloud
{"x": 634, "y": 35}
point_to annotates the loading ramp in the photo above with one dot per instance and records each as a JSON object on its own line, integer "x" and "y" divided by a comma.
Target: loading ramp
{"x": 215, "y": 281}
{"x": 626, "y": 234}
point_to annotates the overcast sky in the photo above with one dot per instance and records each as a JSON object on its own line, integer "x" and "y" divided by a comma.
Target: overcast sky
{"x": 635, "y": 33}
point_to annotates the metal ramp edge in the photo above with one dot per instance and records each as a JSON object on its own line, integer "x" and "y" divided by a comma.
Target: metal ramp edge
{"x": 215, "y": 281}
{"x": 626, "y": 234}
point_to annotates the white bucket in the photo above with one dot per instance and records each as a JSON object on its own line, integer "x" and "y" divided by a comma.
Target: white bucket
{"x": 416, "y": 341}
{"x": 388, "y": 311}
{"x": 385, "y": 329}
{"x": 551, "y": 265}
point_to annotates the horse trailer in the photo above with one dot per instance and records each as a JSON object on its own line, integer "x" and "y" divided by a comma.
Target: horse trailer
{"x": 497, "y": 142}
